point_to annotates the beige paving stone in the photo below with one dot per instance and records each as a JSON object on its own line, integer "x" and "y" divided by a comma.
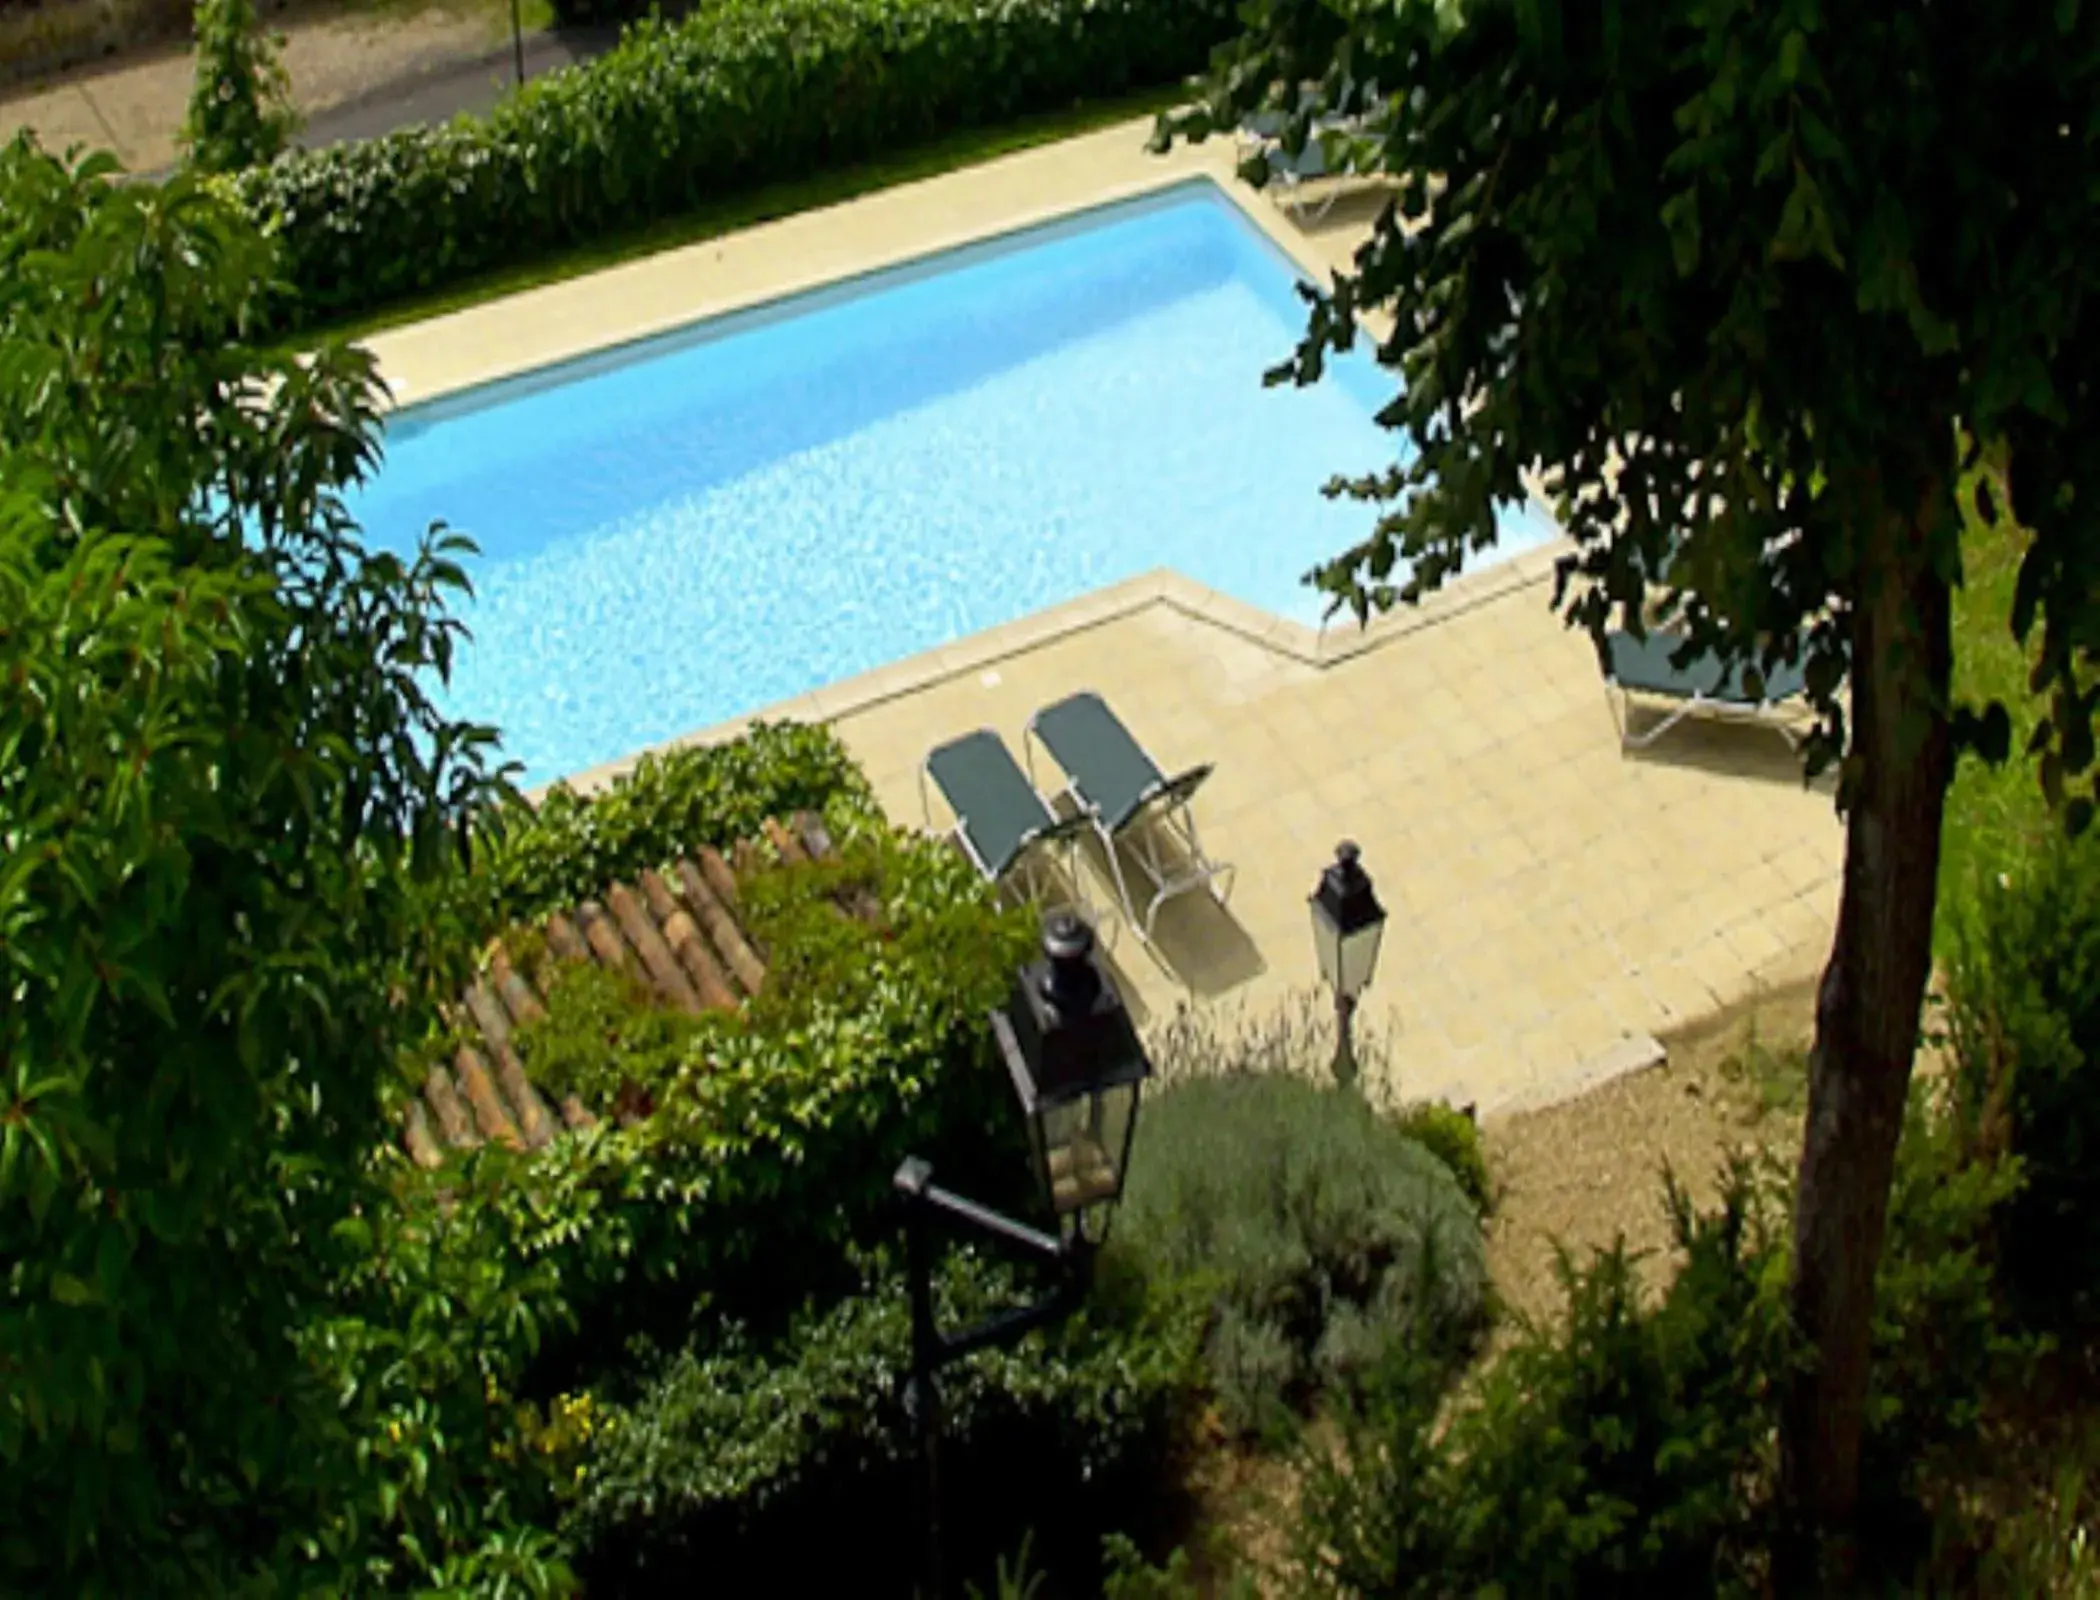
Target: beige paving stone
{"x": 1679, "y": 993}
{"x": 1755, "y": 942}
{"x": 1717, "y": 965}
{"x": 1589, "y": 1028}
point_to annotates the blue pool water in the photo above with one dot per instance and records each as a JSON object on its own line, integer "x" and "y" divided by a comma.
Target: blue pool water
{"x": 694, "y": 528}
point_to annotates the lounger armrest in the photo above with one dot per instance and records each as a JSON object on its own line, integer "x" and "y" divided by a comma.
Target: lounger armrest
{"x": 1062, "y": 828}
{"x": 1180, "y": 789}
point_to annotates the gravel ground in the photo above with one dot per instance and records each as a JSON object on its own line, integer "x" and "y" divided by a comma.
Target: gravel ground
{"x": 1591, "y": 1169}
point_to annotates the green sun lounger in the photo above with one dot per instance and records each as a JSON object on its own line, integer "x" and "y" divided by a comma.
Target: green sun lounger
{"x": 1644, "y": 667}
{"x": 1263, "y": 132}
{"x": 1002, "y": 823}
{"x": 1121, "y": 793}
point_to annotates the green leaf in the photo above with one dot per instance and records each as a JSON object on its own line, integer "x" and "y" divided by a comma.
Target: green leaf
{"x": 1793, "y": 49}
{"x": 1680, "y": 219}
{"x": 68, "y": 1290}
{"x": 1804, "y": 226}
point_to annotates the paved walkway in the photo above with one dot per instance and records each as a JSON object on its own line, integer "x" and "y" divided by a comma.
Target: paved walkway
{"x": 1554, "y": 903}
{"x": 353, "y": 77}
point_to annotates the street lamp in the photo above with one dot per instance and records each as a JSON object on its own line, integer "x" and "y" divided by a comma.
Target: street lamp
{"x": 1077, "y": 1067}
{"x": 1348, "y": 923}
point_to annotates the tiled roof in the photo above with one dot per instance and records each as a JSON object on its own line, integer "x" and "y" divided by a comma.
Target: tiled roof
{"x": 678, "y": 931}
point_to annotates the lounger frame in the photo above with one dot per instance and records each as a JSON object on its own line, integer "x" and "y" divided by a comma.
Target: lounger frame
{"x": 1165, "y": 809}
{"x": 1028, "y": 869}
{"x": 1288, "y": 181}
{"x": 1771, "y": 713}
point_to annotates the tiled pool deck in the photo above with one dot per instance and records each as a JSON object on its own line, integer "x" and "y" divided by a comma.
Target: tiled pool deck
{"x": 1553, "y": 902}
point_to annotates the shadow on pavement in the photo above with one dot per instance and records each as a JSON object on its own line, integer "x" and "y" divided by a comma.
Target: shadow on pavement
{"x": 1725, "y": 749}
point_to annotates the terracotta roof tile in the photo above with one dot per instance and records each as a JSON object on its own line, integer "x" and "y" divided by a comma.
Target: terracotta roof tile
{"x": 678, "y": 932}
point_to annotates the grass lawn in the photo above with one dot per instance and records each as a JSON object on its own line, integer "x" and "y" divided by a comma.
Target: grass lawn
{"x": 1994, "y": 814}
{"x": 965, "y": 149}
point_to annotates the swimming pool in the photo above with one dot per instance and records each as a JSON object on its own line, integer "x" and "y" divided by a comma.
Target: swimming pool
{"x": 688, "y": 529}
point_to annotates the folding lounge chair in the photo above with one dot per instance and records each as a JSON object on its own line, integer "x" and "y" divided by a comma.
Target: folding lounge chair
{"x": 1264, "y": 132}
{"x": 1002, "y": 824}
{"x": 1120, "y": 791}
{"x": 1643, "y": 667}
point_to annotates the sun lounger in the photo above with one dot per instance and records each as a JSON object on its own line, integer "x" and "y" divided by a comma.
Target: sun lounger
{"x": 1003, "y": 825}
{"x": 1124, "y": 796}
{"x": 1323, "y": 157}
{"x": 1644, "y": 667}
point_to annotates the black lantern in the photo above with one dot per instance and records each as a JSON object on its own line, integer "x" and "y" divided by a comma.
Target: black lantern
{"x": 1077, "y": 1066}
{"x": 1348, "y": 924}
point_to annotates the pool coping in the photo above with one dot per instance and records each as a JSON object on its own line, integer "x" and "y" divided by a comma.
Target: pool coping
{"x": 1162, "y": 587}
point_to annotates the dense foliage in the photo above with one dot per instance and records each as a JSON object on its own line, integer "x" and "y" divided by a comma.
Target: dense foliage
{"x": 1627, "y": 1446}
{"x": 2026, "y": 1024}
{"x": 734, "y": 1449}
{"x": 241, "y": 112}
{"x": 772, "y": 1131}
{"x": 742, "y": 92}
{"x": 225, "y": 799}
{"x": 603, "y": 12}
{"x": 1613, "y": 1453}
{"x": 1750, "y": 328}
{"x": 568, "y": 847}
{"x": 1316, "y": 1237}
{"x": 1453, "y": 1137}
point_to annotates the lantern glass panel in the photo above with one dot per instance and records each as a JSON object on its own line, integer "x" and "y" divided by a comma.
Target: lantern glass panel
{"x": 1327, "y": 945}
{"x": 1083, "y": 1143}
{"x": 1359, "y": 958}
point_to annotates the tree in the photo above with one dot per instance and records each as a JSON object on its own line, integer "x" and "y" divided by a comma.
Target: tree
{"x": 241, "y": 112}
{"x": 1750, "y": 286}
{"x": 228, "y": 808}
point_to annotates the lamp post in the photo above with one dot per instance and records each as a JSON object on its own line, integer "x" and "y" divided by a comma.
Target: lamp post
{"x": 1077, "y": 1067}
{"x": 517, "y": 41}
{"x": 1348, "y": 924}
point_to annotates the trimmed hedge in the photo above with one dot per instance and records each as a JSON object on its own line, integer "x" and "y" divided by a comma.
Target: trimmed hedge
{"x": 741, "y": 93}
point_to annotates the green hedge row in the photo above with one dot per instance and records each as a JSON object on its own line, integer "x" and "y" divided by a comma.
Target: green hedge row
{"x": 741, "y": 93}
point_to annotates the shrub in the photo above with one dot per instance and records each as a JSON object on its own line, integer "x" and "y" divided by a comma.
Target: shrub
{"x": 1943, "y": 1341}
{"x": 1453, "y": 1137}
{"x": 2024, "y": 1015}
{"x": 241, "y": 111}
{"x": 1620, "y": 1451}
{"x": 224, "y": 798}
{"x": 591, "y": 13}
{"x": 570, "y": 846}
{"x": 1625, "y": 1448}
{"x": 1317, "y": 1234}
{"x": 736, "y": 1449}
{"x": 743, "y": 92}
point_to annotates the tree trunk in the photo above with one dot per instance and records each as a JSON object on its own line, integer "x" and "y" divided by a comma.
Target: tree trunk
{"x": 1867, "y": 1018}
